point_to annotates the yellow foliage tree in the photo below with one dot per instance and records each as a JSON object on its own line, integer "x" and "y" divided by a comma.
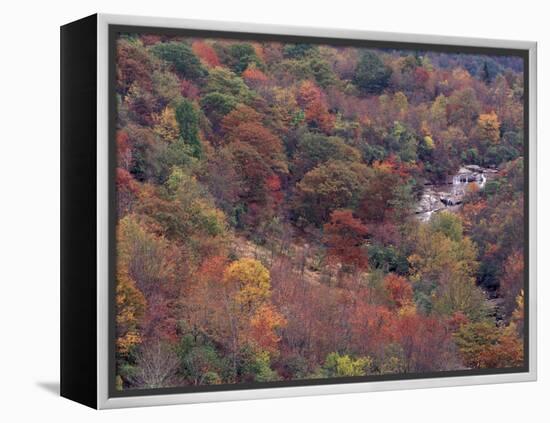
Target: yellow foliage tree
{"x": 284, "y": 109}
{"x": 130, "y": 306}
{"x": 250, "y": 319}
{"x": 488, "y": 127}
{"x": 438, "y": 112}
{"x": 400, "y": 103}
{"x": 166, "y": 125}
{"x": 444, "y": 256}
{"x": 251, "y": 280}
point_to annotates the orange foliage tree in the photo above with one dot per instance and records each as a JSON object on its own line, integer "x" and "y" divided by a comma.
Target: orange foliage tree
{"x": 312, "y": 100}
{"x": 512, "y": 280}
{"x": 399, "y": 290}
{"x": 254, "y": 76}
{"x": 240, "y": 114}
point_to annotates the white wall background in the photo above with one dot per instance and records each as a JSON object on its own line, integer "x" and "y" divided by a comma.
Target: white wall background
{"x": 29, "y": 209}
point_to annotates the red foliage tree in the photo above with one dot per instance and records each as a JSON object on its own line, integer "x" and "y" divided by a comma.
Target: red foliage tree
{"x": 399, "y": 290}
{"x": 240, "y": 114}
{"x": 189, "y": 90}
{"x": 206, "y": 53}
{"x": 150, "y": 39}
{"x": 254, "y": 76}
{"x": 267, "y": 144}
{"x": 124, "y": 152}
{"x": 312, "y": 100}
{"x": 372, "y": 327}
{"x": 425, "y": 342}
{"x": 345, "y": 238}
{"x": 380, "y": 191}
{"x": 127, "y": 191}
{"x": 421, "y": 76}
{"x": 134, "y": 65}
{"x": 252, "y": 170}
{"x": 512, "y": 281}
{"x": 273, "y": 184}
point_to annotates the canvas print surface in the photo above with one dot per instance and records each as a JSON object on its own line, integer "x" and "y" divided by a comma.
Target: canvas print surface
{"x": 314, "y": 211}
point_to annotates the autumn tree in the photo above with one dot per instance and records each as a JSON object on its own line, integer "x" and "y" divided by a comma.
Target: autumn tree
{"x": 123, "y": 150}
{"x": 250, "y": 279}
{"x": 488, "y": 127}
{"x": 337, "y": 365}
{"x": 223, "y": 180}
{"x": 216, "y": 105}
{"x": 399, "y": 290}
{"x": 285, "y": 112}
{"x": 518, "y": 316}
{"x": 206, "y": 53}
{"x": 254, "y": 76}
{"x": 482, "y": 345}
{"x": 446, "y": 258}
{"x": 130, "y": 309}
{"x": 496, "y": 225}
{"x": 312, "y": 100}
{"x": 371, "y": 326}
{"x": 333, "y": 185}
{"x": 383, "y": 195}
{"x": 223, "y": 81}
{"x": 344, "y": 237}
{"x": 267, "y": 144}
{"x": 314, "y": 149}
{"x": 249, "y": 311}
{"x": 134, "y": 65}
{"x": 240, "y": 114}
{"x": 166, "y": 87}
{"x": 512, "y": 281}
{"x": 252, "y": 169}
{"x": 424, "y": 342}
{"x": 141, "y": 151}
{"x": 166, "y": 125}
{"x": 438, "y": 113}
{"x": 264, "y": 327}
{"x": 128, "y": 191}
{"x": 463, "y": 108}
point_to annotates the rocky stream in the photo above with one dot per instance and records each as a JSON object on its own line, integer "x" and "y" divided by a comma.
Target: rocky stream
{"x": 449, "y": 195}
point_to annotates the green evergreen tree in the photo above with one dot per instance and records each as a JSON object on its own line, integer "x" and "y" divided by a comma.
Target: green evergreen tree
{"x": 188, "y": 120}
{"x": 371, "y": 75}
{"x": 180, "y": 55}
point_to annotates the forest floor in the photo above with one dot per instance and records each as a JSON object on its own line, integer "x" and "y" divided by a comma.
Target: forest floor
{"x": 297, "y": 252}
{"x": 305, "y": 258}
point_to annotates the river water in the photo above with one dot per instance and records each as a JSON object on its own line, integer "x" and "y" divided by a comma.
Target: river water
{"x": 449, "y": 195}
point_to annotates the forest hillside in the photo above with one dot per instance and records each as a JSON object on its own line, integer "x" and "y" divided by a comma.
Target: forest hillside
{"x": 267, "y": 211}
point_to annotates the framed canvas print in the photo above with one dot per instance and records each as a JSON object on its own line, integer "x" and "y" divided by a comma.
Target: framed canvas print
{"x": 254, "y": 211}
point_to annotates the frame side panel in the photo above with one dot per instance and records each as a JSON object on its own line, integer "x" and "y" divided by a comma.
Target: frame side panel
{"x": 78, "y": 211}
